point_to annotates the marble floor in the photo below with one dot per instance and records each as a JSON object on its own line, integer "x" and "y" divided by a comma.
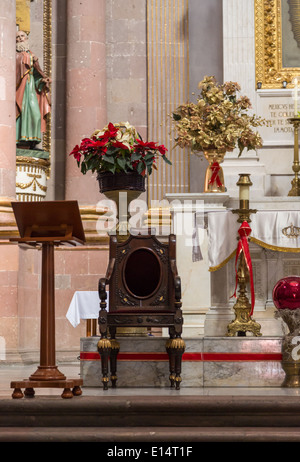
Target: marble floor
{"x": 10, "y": 372}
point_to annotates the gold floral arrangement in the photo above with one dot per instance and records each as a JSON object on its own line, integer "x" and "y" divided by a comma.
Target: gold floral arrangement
{"x": 218, "y": 120}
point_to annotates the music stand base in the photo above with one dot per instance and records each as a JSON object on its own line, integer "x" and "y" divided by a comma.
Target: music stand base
{"x": 72, "y": 387}
{"x": 47, "y": 373}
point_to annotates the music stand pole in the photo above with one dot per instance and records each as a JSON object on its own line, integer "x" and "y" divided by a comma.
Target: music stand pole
{"x": 47, "y": 369}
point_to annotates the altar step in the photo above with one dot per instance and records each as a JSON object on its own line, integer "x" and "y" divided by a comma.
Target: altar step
{"x": 151, "y": 419}
{"x": 150, "y": 436}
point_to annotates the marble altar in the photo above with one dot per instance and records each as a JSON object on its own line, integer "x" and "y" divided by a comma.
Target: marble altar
{"x": 208, "y": 284}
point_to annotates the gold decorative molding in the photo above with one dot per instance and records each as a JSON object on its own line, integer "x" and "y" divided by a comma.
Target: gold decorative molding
{"x": 31, "y": 176}
{"x": 47, "y": 65}
{"x": 23, "y": 15}
{"x": 270, "y": 72}
{"x": 168, "y": 87}
{"x": 34, "y": 183}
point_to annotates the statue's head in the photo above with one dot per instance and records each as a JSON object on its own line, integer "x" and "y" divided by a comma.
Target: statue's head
{"x": 22, "y": 41}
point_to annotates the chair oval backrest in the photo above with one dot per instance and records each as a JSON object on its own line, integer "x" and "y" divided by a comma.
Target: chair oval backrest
{"x": 142, "y": 273}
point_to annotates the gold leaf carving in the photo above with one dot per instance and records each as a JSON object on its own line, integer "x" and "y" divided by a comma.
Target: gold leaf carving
{"x": 268, "y": 46}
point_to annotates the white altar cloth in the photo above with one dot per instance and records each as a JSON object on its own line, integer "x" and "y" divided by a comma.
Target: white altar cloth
{"x": 266, "y": 230}
{"x": 84, "y": 305}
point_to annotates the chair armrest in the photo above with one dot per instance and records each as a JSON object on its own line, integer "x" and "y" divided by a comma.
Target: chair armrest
{"x": 110, "y": 268}
{"x": 102, "y": 288}
{"x": 173, "y": 267}
{"x": 177, "y": 288}
{"x": 103, "y": 282}
{"x": 176, "y": 279}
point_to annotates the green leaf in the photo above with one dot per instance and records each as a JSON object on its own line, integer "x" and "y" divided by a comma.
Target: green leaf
{"x": 135, "y": 156}
{"x": 121, "y": 162}
{"x": 111, "y": 168}
{"x": 149, "y": 156}
{"x": 167, "y": 160}
{"x": 108, "y": 159}
{"x": 89, "y": 156}
{"x": 140, "y": 167}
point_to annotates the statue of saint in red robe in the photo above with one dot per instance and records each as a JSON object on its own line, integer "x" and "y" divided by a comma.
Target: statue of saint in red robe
{"x": 32, "y": 95}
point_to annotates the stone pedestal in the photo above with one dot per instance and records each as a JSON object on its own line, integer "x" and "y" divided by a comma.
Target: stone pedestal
{"x": 247, "y": 163}
{"x": 189, "y": 213}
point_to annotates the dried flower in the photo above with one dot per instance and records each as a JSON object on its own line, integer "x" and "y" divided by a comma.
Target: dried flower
{"x": 218, "y": 120}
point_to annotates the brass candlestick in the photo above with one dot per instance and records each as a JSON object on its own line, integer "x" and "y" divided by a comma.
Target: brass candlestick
{"x": 295, "y": 191}
{"x": 242, "y": 308}
{"x": 244, "y": 211}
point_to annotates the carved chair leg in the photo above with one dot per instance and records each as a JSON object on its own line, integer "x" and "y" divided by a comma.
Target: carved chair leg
{"x": 171, "y": 354}
{"x": 115, "y": 348}
{"x": 104, "y": 349}
{"x": 178, "y": 362}
{"x": 175, "y": 348}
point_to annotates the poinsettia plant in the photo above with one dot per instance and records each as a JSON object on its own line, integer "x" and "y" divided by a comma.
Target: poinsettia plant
{"x": 118, "y": 148}
{"x": 218, "y": 120}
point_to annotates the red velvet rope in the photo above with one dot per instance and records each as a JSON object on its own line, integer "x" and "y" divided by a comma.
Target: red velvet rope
{"x": 243, "y": 246}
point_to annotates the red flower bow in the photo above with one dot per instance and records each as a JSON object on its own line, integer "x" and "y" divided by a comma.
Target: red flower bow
{"x": 215, "y": 168}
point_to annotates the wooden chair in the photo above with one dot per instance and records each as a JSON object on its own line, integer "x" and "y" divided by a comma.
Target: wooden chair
{"x": 144, "y": 291}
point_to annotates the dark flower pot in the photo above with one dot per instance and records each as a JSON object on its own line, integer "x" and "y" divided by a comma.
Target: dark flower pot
{"x": 131, "y": 181}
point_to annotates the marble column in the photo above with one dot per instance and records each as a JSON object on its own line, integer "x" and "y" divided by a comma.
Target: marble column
{"x": 239, "y": 66}
{"x": 8, "y": 253}
{"x": 7, "y": 99}
{"x": 7, "y": 112}
{"x": 86, "y": 89}
{"x": 205, "y": 33}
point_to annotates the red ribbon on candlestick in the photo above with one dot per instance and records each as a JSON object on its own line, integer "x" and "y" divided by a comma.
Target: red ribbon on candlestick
{"x": 243, "y": 246}
{"x": 215, "y": 167}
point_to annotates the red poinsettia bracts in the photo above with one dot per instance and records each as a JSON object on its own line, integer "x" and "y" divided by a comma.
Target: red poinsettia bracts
{"x": 76, "y": 153}
{"x": 118, "y": 148}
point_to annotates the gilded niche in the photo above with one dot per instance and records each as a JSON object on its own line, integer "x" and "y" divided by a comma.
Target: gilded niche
{"x": 277, "y": 38}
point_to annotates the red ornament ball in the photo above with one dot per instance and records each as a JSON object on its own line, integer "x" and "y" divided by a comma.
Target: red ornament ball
{"x": 286, "y": 293}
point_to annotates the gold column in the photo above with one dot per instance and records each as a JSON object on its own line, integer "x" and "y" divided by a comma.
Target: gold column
{"x": 168, "y": 87}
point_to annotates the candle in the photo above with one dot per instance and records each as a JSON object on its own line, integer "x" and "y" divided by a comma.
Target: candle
{"x": 296, "y": 97}
{"x": 244, "y": 193}
{"x": 244, "y": 184}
